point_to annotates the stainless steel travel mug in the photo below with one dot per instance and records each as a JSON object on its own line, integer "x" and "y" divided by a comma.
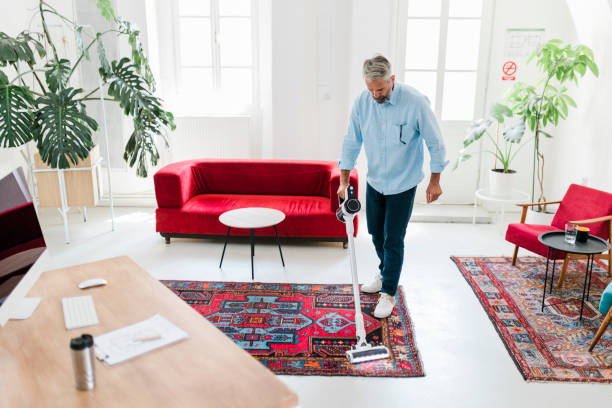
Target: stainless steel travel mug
{"x": 82, "y": 351}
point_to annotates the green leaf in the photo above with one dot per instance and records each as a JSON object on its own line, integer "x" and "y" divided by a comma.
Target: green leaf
{"x": 563, "y": 105}
{"x": 105, "y": 68}
{"x": 548, "y": 135}
{"x": 16, "y": 117}
{"x": 106, "y": 8}
{"x": 78, "y": 33}
{"x": 63, "y": 128}
{"x": 498, "y": 111}
{"x": 141, "y": 149}
{"x": 475, "y": 131}
{"x": 569, "y": 100}
{"x": 15, "y": 49}
{"x": 138, "y": 56}
{"x": 593, "y": 67}
{"x": 57, "y": 74}
{"x": 128, "y": 88}
{"x": 33, "y": 39}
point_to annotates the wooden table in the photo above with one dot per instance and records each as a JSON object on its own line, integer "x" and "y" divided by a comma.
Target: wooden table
{"x": 205, "y": 370}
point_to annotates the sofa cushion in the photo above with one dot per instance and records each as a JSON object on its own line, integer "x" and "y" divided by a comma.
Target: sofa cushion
{"x": 217, "y": 204}
{"x": 606, "y": 300}
{"x": 281, "y": 177}
{"x": 526, "y": 236}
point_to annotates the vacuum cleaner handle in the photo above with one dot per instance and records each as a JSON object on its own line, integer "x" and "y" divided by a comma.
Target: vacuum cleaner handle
{"x": 349, "y": 204}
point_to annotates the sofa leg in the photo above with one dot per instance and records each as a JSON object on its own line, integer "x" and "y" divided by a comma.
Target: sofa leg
{"x": 514, "y": 256}
{"x": 344, "y": 244}
{"x": 167, "y": 240}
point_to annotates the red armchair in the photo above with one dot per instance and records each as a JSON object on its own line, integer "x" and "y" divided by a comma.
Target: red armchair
{"x": 192, "y": 194}
{"x": 581, "y": 206}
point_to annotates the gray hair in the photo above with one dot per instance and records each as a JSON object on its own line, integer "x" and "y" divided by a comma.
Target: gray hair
{"x": 377, "y": 67}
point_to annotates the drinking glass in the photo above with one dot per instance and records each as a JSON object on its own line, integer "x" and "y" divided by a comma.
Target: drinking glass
{"x": 570, "y": 233}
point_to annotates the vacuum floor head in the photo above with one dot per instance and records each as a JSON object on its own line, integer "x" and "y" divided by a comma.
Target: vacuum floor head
{"x": 367, "y": 353}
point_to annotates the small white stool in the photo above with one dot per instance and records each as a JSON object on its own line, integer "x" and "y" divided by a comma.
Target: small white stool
{"x": 251, "y": 218}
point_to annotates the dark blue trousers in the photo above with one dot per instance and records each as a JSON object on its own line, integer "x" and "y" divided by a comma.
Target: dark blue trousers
{"x": 388, "y": 217}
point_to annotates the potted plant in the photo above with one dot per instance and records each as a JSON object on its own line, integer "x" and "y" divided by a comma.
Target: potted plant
{"x": 545, "y": 103}
{"x": 501, "y": 179}
{"x": 53, "y": 113}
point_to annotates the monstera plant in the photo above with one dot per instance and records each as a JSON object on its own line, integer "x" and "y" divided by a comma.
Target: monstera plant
{"x": 53, "y": 113}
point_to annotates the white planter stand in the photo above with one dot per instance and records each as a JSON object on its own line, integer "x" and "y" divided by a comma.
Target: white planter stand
{"x": 515, "y": 197}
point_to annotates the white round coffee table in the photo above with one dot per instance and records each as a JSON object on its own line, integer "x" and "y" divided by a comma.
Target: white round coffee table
{"x": 251, "y": 218}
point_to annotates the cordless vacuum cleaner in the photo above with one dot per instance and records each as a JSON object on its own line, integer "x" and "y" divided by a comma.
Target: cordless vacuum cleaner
{"x": 362, "y": 350}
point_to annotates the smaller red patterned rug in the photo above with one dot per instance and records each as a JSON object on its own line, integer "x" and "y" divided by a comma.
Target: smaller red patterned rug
{"x": 549, "y": 345}
{"x": 304, "y": 329}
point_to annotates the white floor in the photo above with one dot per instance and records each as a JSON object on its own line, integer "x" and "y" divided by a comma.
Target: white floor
{"x": 466, "y": 364}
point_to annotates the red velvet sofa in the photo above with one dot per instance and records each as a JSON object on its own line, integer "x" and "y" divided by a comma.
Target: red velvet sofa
{"x": 192, "y": 194}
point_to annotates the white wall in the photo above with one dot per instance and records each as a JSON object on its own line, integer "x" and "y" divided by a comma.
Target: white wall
{"x": 583, "y": 146}
{"x": 310, "y": 61}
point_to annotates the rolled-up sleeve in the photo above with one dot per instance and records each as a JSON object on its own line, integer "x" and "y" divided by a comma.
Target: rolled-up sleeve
{"x": 351, "y": 146}
{"x": 429, "y": 129}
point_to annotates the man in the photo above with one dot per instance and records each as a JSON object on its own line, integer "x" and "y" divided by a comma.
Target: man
{"x": 391, "y": 120}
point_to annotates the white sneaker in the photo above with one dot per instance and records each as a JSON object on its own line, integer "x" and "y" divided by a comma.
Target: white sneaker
{"x": 373, "y": 287}
{"x": 385, "y": 306}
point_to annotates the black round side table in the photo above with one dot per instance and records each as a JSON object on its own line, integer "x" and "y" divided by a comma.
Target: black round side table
{"x": 555, "y": 241}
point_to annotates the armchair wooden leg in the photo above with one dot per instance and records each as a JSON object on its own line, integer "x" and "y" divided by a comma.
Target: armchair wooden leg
{"x": 563, "y": 269}
{"x": 514, "y": 256}
{"x": 610, "y": 264}
{"x": 602, "y": 329}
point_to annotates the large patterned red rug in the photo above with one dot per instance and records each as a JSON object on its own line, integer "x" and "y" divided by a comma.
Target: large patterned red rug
{"x": 304, "y": 329}
{"x": 549, "y": 345}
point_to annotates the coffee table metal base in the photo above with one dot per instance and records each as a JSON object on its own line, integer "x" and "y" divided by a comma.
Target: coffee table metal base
{"x": 252, "y": 240}
{"x": 586, "y": 289}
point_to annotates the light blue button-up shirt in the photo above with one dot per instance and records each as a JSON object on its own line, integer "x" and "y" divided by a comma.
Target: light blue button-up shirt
{"x": 393, "y": 134}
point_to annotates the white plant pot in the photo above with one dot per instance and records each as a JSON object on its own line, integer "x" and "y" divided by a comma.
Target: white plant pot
{"x": 501, "y": 184}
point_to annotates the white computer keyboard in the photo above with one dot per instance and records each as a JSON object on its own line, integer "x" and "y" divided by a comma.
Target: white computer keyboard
{"x": 79, "y": 311}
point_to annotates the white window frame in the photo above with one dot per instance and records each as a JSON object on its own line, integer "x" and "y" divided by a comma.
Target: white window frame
{"x": 399, "y": 28}
{"x": 216, "y": 60}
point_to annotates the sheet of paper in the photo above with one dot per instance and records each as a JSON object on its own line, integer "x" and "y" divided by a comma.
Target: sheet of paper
{"x": 521, "y": 42}
{"x": 131, "y": 341}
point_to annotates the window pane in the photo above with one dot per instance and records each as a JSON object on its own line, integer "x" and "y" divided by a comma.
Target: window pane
{"x": 194, "y": 7}
{"x": 197, "y": 81}
{"x": 459, "y": 95}
{"x": 235, "y": 41}
{"x": 235, "y": 7}
{"x": 195, "y": 41}
{"x": 422, "y": 44}
{"x": 465, "y": 8}
{"x": 424, "y": 8}
{"x": 424, "y": 82}
{"x": 236, "y": 88}
{"x": 463, "y": 44}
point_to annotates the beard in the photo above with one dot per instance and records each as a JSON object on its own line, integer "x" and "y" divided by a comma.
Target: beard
{"x": 384, "y": 98}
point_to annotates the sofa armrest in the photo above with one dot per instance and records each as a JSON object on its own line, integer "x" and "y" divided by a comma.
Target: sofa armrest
{"x": 175, "y": 184}
{"x": 334, "y": 184}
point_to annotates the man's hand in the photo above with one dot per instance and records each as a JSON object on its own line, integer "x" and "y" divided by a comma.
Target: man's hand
{"x": 433, "y": 189}
{"x": 344, "y": 182}
{"x": 341, "y": 190}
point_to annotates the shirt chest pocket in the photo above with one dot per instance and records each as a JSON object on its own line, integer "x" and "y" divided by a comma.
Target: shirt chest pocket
{"x": 401, "y": 134}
